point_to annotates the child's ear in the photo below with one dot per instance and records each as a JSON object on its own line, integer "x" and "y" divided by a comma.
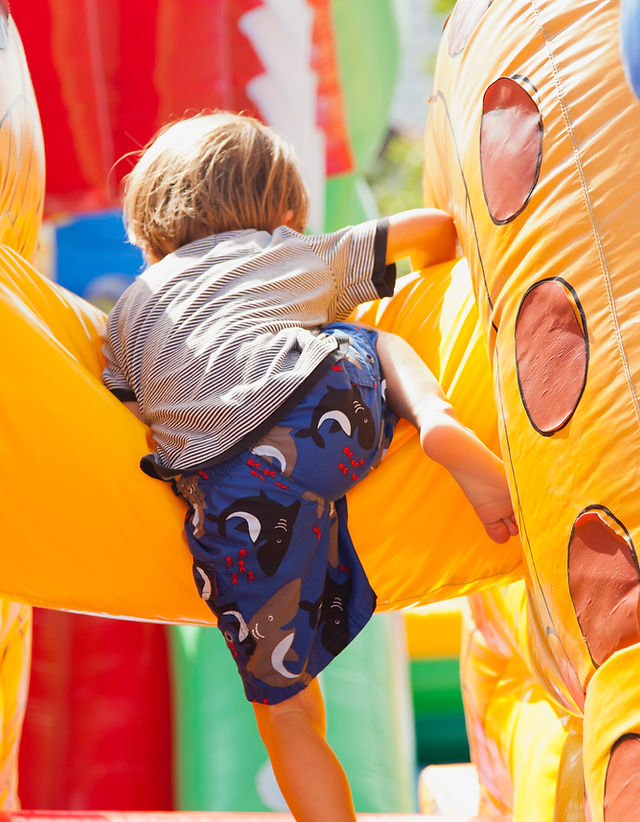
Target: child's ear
{"x": 288, "y": 217}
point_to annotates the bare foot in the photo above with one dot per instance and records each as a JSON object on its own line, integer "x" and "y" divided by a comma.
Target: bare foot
{"x": 484, "y": 483}
{"x": 500, "y": 529}
{"x": 477, "y": 470}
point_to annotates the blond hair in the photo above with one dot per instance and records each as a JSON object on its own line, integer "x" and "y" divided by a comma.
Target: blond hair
{"x": 208, "y": 174}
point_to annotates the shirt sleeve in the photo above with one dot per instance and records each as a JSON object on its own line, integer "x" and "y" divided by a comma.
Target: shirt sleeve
{"x": 356, "y": 256}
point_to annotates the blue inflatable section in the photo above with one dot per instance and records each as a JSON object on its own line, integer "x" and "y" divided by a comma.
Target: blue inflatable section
{"x": 94, "y": 258}
{"x": 630, "y": 42}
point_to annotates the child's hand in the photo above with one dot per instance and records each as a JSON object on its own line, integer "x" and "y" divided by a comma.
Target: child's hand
{"x": 426, "y": 235}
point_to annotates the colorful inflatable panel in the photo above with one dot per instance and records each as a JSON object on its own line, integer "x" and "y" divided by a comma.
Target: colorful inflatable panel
{"x": 533, "y": 144}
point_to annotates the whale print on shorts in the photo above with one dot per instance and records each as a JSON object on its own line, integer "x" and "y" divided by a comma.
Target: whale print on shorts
{"x": 278, "y": 447}
{"x": 343, "y": 409}
{"x": 268, "y": 523}
{"x": 331, "y": 611}
{"x": 235, "y": 630}
{"x": 273, "y": 651}
{"x": 265, "y": 639}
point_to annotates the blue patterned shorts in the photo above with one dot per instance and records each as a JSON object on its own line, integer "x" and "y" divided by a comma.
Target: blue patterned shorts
{"x": 268, "y": 528}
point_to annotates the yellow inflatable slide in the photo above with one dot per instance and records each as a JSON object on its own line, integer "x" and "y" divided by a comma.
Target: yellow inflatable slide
{"x": 533, "y": 143}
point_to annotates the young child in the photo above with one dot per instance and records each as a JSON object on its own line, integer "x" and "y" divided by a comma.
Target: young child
{"x": 266, "y": 408}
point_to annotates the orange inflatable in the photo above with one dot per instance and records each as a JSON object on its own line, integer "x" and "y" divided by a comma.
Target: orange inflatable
{"x": 533, "y": 143}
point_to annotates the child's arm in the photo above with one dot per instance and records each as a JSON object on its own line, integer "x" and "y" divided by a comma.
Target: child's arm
{"x": 426, "y": 235}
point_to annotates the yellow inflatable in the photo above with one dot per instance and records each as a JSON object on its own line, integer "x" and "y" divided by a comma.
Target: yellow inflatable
{"x": 533, "y": 143}
{"x": 21, "y": 147}
{"x": 106, "y": 538}
{"x": 21, "y": 199}
{"x": 91, "y": 532}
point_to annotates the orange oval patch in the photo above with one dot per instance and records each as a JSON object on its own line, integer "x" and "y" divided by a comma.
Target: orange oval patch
{"x": 510, "y": 148}
{"x": 622, "y": 785}
{"x": 464, "y": 19}
{"x": 604, "y": 582}
{"x": 552, "y": 354}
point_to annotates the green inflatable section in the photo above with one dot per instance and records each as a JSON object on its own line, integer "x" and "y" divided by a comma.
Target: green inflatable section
{"x": 441, "y": 734}
{"x": 370, "y": 717}
{"x": 369, "y": 53}
{"x": 220, "y": 762}
{"x": 348, "y": 200}
{"x": 218, "y": 754}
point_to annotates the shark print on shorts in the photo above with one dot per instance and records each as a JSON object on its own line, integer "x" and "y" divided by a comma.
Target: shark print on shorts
{"x": 267, "y": 523}
{"x": 342, "y": 410}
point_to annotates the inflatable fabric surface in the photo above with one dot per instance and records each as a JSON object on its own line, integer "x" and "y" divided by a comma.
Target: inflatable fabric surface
{"x": 21, "y": 202}
{"x": 114, "y": 542}
{"x": 533, "y": 145}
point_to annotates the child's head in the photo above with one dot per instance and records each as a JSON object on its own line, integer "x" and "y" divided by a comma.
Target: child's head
{"x": 208, "y": 174}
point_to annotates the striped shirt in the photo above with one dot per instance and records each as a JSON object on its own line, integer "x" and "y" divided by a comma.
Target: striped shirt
{"x": 224, "y": 335}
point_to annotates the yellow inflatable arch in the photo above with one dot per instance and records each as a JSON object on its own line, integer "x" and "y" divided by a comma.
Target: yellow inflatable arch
{"x": 95, "y": 534}
{"x": 84, "y": 529}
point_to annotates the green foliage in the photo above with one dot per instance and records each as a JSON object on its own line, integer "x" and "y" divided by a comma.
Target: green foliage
{"x": 396, "y": 176}
{"x": 442, "y": 6}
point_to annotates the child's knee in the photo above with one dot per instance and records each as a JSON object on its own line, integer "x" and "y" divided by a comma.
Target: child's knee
{"x": 386, "y": 343}
{"x": 305, "y": 706}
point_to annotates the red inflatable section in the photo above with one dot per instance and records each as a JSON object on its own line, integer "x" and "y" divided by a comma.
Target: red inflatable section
{"x": 108, "y": 74}
{"x": 97, "y": 731}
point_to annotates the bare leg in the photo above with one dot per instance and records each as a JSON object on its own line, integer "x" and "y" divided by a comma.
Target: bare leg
{"x": 310, "y": 777}
{"x": 415, "y": 394}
